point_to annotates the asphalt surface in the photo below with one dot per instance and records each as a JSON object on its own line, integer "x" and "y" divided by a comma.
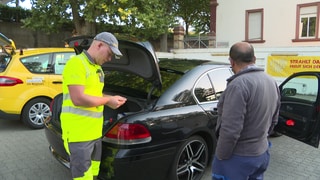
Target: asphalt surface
{"x": 24, "y": 155}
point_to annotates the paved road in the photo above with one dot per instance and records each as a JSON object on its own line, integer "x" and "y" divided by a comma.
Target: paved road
{"x": 24, "y": 155}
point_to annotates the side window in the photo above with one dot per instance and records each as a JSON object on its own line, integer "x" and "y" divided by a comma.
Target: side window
{"x": 306, "y": 22}
{"x": 4, "y": 59}
{"x": 308, "y": 26}
{"x": 254, "y": 25}
{"x": 204, "y": 91}
{"x": 59, "y": 61}
{"x": 37, "y": 64}
{"x": 301, "y": 88}
{"x": 219, "y": 78}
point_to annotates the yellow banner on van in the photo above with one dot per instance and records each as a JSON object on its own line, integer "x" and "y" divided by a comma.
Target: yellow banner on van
{"x": 284, "y": 66}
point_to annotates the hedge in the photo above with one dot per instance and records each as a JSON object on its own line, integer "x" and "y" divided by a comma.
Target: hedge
{"x": 13, "y": 14}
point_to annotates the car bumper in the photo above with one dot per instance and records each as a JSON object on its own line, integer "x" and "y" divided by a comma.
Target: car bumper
{"x": 62, "y": 160}
{"x": 142, "y": 164}
{"x": 121, "y": 164}
{"x": 56, "y": 145}
{"x": 8, "y": 116}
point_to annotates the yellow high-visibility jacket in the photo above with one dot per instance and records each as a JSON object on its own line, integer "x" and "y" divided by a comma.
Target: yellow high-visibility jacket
{"x": 81, "y": 123}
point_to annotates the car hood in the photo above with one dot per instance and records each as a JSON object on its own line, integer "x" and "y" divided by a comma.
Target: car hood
{"x": 138, "y": 58}
{"x": 7, "y": 44}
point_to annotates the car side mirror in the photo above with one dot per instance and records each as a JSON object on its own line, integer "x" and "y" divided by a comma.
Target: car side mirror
{"x": 289, "y": 92}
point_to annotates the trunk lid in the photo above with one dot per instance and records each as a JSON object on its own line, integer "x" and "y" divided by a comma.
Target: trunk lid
{"x": 138, "y": 58}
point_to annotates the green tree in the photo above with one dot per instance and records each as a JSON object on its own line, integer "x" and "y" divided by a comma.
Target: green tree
{"x": 193, "y": 13}
{"x": 139, "y": 18}
{"x": 17, "y": 4}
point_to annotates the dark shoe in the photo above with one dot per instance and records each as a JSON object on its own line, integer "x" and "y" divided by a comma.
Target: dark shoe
{"x": 275, "y": 134}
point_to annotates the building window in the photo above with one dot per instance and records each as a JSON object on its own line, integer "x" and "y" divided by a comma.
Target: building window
{"x": 307, "y": 22}
{"x": 254, "y": 26}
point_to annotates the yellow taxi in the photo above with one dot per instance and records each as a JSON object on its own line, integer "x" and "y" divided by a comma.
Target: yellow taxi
{"x": 29, "y": 80}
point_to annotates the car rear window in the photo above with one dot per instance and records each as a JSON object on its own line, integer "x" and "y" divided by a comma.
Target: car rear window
{"x": 126, "y": 83}
{"x": 171, "y": 71}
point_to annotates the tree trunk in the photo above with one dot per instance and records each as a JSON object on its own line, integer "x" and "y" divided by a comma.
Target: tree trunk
{"x": 187, "y": 28}
{"x": 90, "y": 28}
{"x": 164, "y": 43}
{"x": 82, "y": 27}
{"x": 17, "y": 16}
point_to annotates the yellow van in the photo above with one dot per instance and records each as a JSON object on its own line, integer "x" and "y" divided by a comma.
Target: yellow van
{"x": 29, "y": 79}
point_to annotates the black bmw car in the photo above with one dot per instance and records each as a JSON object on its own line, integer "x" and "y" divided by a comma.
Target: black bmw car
{"x": 165, "y": 130}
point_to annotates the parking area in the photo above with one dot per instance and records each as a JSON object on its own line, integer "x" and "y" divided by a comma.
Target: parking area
{"x": 24, "y": 155}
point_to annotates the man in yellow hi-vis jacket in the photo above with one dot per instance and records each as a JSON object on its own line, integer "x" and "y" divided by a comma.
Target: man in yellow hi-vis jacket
{"x": 83, "y": 102}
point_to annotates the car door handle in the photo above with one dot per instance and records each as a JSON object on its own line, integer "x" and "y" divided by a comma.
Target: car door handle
{"x": 215, "y": 111}
{"x": 56, "y": 82}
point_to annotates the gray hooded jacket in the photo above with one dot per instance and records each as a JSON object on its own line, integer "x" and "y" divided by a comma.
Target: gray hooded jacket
{"x": 248, "y": 110}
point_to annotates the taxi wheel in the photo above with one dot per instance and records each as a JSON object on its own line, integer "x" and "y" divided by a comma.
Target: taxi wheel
{"x": 35, "y": 112}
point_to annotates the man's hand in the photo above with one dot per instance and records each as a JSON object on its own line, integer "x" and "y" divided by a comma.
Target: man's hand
{"x": 116, "y": 101}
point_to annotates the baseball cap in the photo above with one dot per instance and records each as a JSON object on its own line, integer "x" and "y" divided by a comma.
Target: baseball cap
{"x": 109, "y": 39}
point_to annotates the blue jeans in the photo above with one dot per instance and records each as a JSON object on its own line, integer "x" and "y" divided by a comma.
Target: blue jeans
{"x": 240, "y": 167}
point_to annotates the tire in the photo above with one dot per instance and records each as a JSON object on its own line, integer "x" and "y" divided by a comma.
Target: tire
{"x": 191, "y": 160}
{"x": 35, "y": 112}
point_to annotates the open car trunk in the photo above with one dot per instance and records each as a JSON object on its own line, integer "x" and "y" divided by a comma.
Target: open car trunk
{"x": 7, "y": 45}
{"x": 111, "y": 116}
{"x": 131, "y": 106}
{"x": 135, "y": 75}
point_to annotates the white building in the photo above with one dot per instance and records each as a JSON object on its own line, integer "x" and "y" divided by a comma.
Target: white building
{"x": 268, "y": 23}
{"x": 284, "y": 33}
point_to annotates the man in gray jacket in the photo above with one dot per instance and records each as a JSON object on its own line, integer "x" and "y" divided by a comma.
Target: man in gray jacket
{"x": 248, "y": 110}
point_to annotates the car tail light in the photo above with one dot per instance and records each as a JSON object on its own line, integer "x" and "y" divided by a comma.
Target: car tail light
{"x": 128, "y": 134}
{"x": 9, "y": 81}
{"x": 290, "y": 122}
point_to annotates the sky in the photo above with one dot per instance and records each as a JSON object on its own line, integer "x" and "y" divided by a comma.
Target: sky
{"x": 26, "y": 4}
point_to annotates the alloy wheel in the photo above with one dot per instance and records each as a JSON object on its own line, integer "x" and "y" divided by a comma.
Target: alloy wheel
{"x": 192, "y": 160}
